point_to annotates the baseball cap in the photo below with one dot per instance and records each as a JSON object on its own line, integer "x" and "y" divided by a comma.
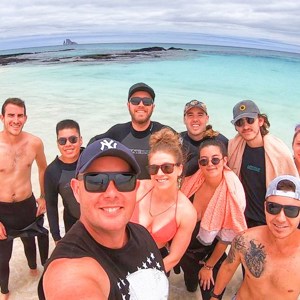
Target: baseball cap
{"x": 194, "y": 103}
{"x": 141, "y": 86}
{"x": 273, "y": 187}
{"x": 105, "y": 147}
{"x": 245, "y": 109}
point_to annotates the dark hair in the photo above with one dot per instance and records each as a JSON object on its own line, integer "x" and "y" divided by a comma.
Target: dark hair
{"x": 295, "y": 135}
{"x": 168, "y": 141}
{"x": 67, "y": 124}
{"x": 213, "y": 142}
{"x": 14, "y": 101}
{"x": 264, "y": 128}
{"x": 286, "y": 185}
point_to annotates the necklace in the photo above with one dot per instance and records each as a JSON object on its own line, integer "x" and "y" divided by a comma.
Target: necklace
{"x": 160, "y": 213}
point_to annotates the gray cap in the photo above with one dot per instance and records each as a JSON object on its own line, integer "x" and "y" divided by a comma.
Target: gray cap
{"x": 105, "y": 147}
{"x": 141, "y": 86}
{"x": 245, "y": 109}
{"x": 273, "y": 187}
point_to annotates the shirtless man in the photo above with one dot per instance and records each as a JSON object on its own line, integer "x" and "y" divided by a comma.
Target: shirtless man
{"x": 269, "y": 253}
{"x": 18, "y": 207}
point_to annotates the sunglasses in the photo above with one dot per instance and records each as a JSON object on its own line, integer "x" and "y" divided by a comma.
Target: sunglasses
{"x": 241, "y": 122}
{"x": 138, "y": 100}
{"x": 205, "y": 161}
{"x": 167, "y": 168}
{"x": 72, "y": 139}
{"x": 290, "y": 211}
{"x": 97, "y": 182}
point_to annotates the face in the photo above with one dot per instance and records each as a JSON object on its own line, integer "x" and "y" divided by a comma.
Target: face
{"x": 195, "y": 121}
{"x": 250, "y": 132}
{"x": 69, "y": 152}
{"x": 13, "y": 119}
{"x": 296, "y": 147}
{"x": 210, "y": 170}
{"x": 161, "y": 179}
{"x": 108, "y": 211}
{"x": 280, "y": 225}
{"x": 140, "y": 114}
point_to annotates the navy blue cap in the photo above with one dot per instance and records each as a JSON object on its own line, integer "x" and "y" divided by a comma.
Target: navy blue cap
{"x": 105, "y": 147}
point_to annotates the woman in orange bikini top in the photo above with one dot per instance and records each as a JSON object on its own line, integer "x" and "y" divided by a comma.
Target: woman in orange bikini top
{"x": 161, "y": 207}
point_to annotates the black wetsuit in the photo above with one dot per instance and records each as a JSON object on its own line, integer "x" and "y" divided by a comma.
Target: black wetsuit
{"x": 130, "y": 269}
{"x": 57, "y": 182}
{"x": 15, "y": 216}
{"x": 191, "y": 151}
{"x": 136, "y": 141}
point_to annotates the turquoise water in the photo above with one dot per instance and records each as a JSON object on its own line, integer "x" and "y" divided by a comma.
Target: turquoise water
{"x": 95, "y": 93}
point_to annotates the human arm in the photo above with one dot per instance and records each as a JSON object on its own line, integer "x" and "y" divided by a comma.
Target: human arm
{"x": 3, "y": 234}
{"x": 76, "y": 279}
{"x": 206, "y": 272}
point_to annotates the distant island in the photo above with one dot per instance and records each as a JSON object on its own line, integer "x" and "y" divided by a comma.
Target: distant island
{"x": 69, "y": 42}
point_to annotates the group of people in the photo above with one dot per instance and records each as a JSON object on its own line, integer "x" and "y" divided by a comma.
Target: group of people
{"x": 142, "y": 199}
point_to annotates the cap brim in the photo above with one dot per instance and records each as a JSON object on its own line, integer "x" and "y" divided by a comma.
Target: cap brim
{"x": 244, "y": 115}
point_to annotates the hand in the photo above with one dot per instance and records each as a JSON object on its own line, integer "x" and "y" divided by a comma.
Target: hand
{"x": 3, "y": 235}
{"x": 206, "y": 278}
{"x": 41, "y": 206}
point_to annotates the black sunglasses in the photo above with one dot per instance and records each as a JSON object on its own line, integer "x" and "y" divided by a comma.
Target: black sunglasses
{"x": 72, "y": 139}
{"x": 205, "y": 161}
{"x": 241, "y": 122}
{"x": 97, "y": 182}
{"x": 167, "y": 168}
{"x": 137, "y": 101}
{"x": 290, "y": 211}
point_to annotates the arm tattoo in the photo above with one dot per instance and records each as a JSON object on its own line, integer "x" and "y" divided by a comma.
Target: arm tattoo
{"x": 238, "y": 244}
{"x": 255, "y": 258}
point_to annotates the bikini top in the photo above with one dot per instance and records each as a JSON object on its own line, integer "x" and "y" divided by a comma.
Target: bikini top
{"x": 163, "y": 234}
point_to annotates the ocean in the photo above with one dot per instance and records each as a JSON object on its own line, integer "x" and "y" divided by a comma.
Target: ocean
{"x": 56, "y": 84}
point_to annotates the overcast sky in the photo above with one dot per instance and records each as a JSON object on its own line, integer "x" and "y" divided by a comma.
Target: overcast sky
{"x": 26, "y": 23}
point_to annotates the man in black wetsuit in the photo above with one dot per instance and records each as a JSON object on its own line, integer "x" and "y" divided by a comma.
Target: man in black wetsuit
{"x": 135, "y": 134}
{"x": 59, "y": 174}
{"x": 104, "y": 256}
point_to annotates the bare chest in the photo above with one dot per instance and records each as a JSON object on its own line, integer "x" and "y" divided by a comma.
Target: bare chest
{"x": 201, "y": 200}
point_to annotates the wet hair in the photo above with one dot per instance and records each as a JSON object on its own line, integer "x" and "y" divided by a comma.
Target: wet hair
{"x": 213, "y": 142}
{"x": 286, "y": 185}
{"x": 295, "y": 135}
{"x": 64, "y": 124}
{"x": 15, "y": 101}
{"x": 209, "y": 132}
{"x": 264, "y": 128}
{"x": 166, "y": 140}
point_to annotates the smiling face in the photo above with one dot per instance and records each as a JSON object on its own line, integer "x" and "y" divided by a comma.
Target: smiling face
{"x": 13, "y": 119}
{"x": 162, "y": 180}
{"x": 69, "y": 152}
{"x": 107, "y": 212}
{"x": 280, "y": 225}
{"x": 195, "y": 121}
{"x": 140, "y": 114}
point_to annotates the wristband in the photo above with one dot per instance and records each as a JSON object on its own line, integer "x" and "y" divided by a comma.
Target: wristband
{"x": 213, "y": 295}
{"x": 42, "y": 196}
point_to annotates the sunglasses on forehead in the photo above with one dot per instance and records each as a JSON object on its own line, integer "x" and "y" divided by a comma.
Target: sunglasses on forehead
{"x": 97, "y": 182}
{"x": 205, "y": 161}
{"x": 138, "y": 100}
{"x": 63, "y": 140}
{"x": 290, "y": 211}
{"x": 241, "y": 122}
{"x": 167, "y": 168}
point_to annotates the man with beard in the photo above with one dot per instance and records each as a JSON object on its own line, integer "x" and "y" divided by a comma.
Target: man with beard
{"x": 257, "y": 157}
{"x": 135, "y": 134}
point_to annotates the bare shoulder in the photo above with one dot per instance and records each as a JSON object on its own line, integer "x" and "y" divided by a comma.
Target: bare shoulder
{"x": 144, "y": 186}
{"x": 186, "y": 208}
{"x": 34, "y": 140}
{"x": 81, "y": 278}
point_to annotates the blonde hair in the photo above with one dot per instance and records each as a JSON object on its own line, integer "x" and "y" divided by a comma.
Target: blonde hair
{"x": 166, "y": 140}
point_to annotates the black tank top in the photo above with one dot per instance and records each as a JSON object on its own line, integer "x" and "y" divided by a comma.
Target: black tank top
{"x": 135, "y": 268}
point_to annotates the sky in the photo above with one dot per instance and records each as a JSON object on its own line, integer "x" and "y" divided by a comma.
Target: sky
{"x": 271, "y": 24}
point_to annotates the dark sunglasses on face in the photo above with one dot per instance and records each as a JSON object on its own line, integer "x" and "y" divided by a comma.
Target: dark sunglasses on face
{"x": 241, "y": 122}
{"x": 167, "y": 168}
{"x": 72, "y": 139}
{"x": 137, "y": 101}
{"x": 97, "y": 182}
{"x": 290, "y": 211}
{"x": 205, "y": 161}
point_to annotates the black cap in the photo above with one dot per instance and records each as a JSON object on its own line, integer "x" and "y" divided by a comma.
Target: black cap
{"x": 141, "y": 86}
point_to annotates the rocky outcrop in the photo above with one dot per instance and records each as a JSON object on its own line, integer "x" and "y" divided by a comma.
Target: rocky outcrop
{"x": 69, "y": 42}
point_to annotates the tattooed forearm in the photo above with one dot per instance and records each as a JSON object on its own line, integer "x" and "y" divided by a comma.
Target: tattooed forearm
{"x": 238, "y": 244}
{"x": 255, "y": 257}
